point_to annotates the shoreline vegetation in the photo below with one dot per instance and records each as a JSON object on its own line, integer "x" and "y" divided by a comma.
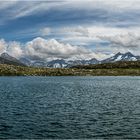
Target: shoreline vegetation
{"x": 109, "y": 69}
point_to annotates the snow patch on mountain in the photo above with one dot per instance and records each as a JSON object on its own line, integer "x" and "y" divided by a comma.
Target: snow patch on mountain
{"x": 118, "y": 58}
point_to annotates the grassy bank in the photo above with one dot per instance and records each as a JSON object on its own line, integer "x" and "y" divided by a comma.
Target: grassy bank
{"x": 10, "y": 70}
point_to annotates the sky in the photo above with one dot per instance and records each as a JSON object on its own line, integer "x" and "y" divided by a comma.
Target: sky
{"x": 69, "y": 29}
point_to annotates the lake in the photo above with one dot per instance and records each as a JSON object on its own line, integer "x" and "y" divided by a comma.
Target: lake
{"x": 70, "y": 107}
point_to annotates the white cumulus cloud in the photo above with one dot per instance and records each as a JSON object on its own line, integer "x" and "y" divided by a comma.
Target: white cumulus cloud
{"x": 129, "y": 40}
{"x": 123, "y": 43}
{"x": 42, "y": 49}
{"x": 3, "y": 45}
{"x": 13, "y": 48}
{"x": 52, "y": 49}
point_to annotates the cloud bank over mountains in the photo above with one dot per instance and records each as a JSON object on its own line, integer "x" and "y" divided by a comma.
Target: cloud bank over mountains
{"x": 43, "y": 49}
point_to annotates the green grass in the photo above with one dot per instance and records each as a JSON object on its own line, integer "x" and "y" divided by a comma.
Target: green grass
{"x": 10, "y": 70}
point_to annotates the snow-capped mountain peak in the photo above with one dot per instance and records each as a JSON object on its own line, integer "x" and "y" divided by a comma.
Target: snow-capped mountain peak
{"x": 122, "y": 57}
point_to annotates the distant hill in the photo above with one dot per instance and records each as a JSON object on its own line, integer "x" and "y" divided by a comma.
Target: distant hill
{"x": 58, "y": 63}
{"x": 119, "y": 64}
{"x": 5, "y": 58}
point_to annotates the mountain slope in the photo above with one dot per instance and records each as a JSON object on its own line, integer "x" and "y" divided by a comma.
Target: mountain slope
{"x": 5, "y": 58}
{"x": 58, "y": 63}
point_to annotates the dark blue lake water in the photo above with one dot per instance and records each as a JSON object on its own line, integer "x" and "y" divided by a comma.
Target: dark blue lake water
{"x": 69, "y": 107}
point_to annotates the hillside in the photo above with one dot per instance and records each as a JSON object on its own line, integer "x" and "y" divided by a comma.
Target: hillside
{"x": 116, "y": 69}
{"x": 120, "y": 64}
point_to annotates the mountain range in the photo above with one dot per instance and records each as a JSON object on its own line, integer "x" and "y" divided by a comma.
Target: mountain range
{"x": 5, "y": 58}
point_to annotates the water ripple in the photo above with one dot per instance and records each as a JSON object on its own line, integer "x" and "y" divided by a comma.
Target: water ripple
{"x": 69, "y": 107}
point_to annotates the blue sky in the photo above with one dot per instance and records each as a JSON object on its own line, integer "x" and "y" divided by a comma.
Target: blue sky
{"x": 102, "y": 26}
